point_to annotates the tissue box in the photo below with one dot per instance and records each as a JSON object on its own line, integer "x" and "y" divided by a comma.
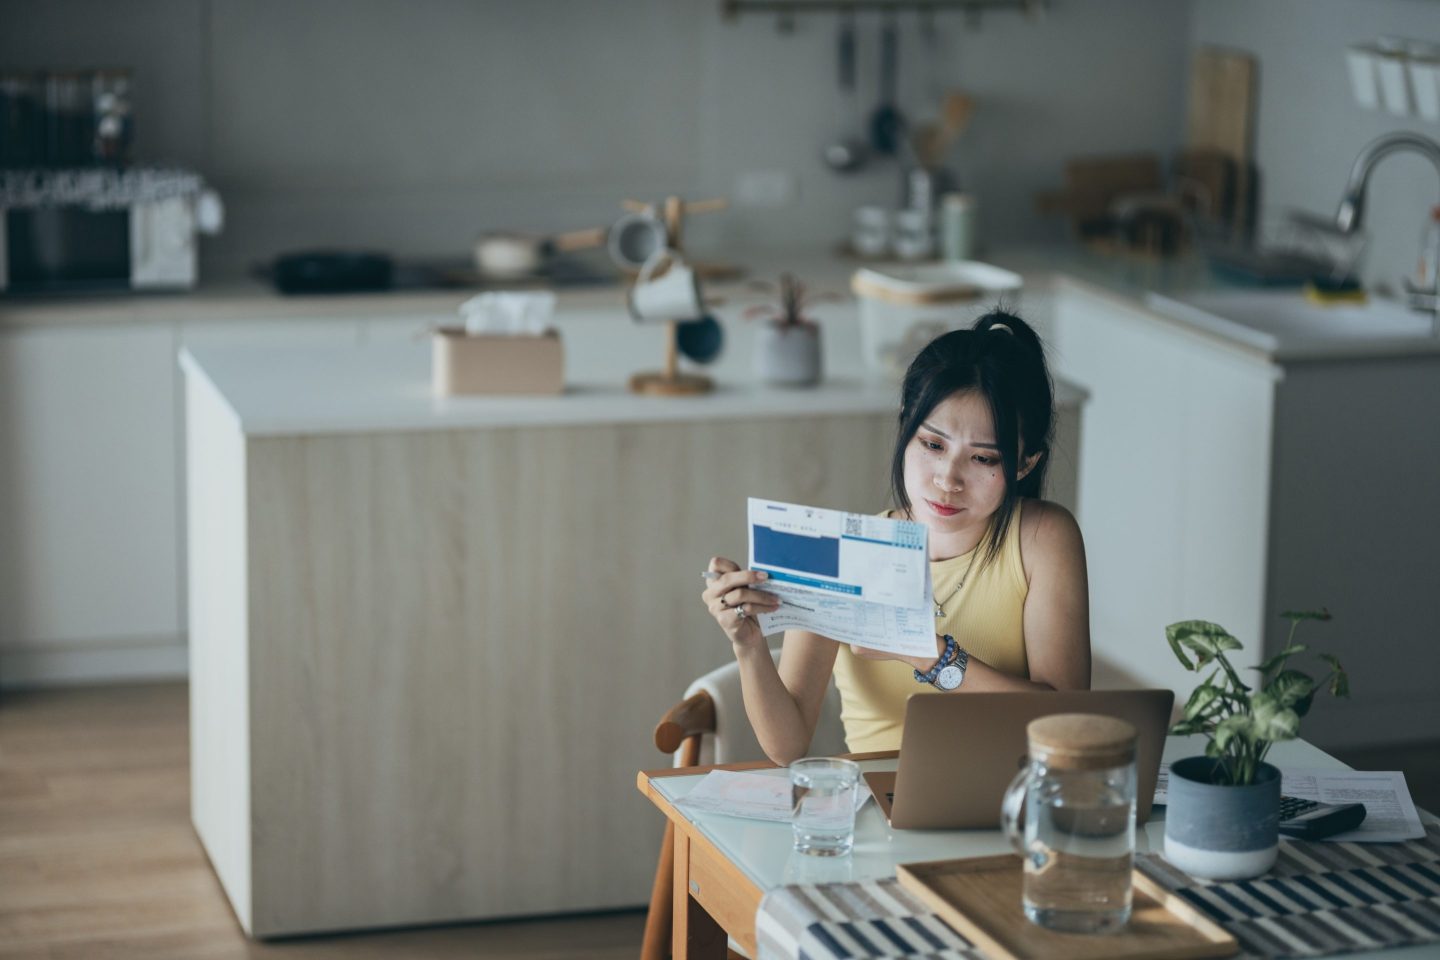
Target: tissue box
{"x": 496, "y": 363}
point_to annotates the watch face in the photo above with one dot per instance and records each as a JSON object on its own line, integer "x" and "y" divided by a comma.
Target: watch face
{"x": 950, "y": 677}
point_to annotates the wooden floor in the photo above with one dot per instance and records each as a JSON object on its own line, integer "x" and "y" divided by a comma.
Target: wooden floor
{"x": 98, "y": 858}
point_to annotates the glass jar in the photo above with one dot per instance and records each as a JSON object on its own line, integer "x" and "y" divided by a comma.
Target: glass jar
{"x": 110, "y": 101}
{"x": 1078, "y": 838}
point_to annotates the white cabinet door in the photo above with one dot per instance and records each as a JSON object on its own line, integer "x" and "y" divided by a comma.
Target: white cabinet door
{"x": 89, "y": 528}
{"x": 1174, "y": 480}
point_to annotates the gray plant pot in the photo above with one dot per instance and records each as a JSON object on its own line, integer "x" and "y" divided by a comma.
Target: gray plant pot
{"x": 788, "y": 356}
{"x": 1217, "y": 831}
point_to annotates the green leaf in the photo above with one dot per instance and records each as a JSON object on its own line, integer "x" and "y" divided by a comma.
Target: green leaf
{"x": 1173, "y": 638}
{"x": 1290, "y": 687}
{"x": 1237, "y": 725}
{"x": 1185, "y": 727}
{"x": 1340, "y": 682}
{"x": 1281, "y": 657}
{"x": 1202, "y": 697}
{"x": 1271, "y": 720}
{"x": 1295, "y": 616}
{"x": 1210, "y": 636}
{"x": 1212, "y": 750}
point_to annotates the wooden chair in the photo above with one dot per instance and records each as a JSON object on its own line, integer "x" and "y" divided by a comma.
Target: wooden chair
{"x": 679, "y": 730}
{"x": 679, "y": 734}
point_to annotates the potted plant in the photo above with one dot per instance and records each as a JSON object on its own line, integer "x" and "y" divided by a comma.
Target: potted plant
{"x": 787, "y": 348}
{"x": 1223, "y": 812}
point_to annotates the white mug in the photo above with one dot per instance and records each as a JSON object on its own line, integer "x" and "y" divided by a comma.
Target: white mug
{"x": 673, "y": 295}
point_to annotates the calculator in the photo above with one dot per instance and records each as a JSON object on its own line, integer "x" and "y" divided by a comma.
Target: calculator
{"x": 1309, "y": 820}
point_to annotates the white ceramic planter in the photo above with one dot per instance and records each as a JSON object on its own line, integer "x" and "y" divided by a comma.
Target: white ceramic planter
{"x": 788, "y": 355}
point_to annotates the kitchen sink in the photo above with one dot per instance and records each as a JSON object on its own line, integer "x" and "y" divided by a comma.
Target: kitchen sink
{"x": 1276, "y": 319}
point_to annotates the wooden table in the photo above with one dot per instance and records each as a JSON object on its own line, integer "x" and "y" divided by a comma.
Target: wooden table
{"x": 725, "y": 865}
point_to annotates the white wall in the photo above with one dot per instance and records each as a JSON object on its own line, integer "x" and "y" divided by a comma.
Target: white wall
{"x": 413, "y": 126}
{"x": 1310, "y": 128}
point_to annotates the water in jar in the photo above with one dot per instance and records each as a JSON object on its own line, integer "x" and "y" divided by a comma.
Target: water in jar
{"x": 1080, "y": 847}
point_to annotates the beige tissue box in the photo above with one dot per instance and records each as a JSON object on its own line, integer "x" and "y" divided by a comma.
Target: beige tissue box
{"x": 464, "y": 363}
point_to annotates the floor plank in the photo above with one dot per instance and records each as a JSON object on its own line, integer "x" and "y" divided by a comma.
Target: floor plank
{"x": 98, "y": 859}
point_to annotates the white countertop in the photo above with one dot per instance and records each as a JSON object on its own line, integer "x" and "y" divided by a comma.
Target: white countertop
{"x": 1182, "y": 291}
{"x": 302, "y": 390}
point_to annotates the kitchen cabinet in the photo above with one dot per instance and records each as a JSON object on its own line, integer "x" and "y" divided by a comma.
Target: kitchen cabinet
{"x": 89, "y": 527}
{"x": 1173, "y": 476}
{"x": 429, "y": 641}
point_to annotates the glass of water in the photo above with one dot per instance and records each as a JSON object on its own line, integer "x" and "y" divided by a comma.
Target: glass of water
{"x": 1078, "y": 837}
{"x": 822, "y": 803}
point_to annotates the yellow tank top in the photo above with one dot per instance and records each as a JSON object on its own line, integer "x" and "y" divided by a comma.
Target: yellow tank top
{"x": 986, "y": 617}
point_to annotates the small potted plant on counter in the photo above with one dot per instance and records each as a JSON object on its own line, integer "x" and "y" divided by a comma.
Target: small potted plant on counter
{"x": 1223, "y": 813}
{"x": 787, "y": 349}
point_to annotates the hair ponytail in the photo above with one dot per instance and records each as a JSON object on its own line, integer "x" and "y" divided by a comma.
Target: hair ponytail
{"x": 1001, "y": 358}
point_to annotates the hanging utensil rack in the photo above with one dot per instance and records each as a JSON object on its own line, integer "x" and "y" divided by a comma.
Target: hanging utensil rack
{"x": 787, "y": 9}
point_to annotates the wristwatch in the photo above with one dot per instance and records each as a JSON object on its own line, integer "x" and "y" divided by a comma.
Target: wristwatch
{"x": 944, "y": 663}
{"x": 953, "y": 674}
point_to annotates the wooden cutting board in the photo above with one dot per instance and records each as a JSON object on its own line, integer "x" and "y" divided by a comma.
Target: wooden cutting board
{"x": 1222, "y": 102}
{"x": 980, "y": 898}
{"x": 1222, "y": 119}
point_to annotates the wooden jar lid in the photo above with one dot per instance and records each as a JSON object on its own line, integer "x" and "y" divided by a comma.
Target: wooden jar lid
{"x": 1081, "y": 741}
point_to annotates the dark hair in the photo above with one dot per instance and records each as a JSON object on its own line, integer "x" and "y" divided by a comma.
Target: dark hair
{"x": 1003, "y": 360}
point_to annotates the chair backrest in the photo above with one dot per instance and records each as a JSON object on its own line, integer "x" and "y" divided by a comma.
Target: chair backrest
{"x": 734, "y": 740}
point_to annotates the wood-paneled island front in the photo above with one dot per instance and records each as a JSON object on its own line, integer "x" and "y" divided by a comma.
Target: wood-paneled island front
{"x": 429, "y": 639}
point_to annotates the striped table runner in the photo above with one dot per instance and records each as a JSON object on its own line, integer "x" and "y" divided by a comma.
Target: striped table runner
{"x": 1320, "y": 899}
{"x": 1324, "y": 898}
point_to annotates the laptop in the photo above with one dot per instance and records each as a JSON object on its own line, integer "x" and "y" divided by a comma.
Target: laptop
{"x": 959, "y": 753}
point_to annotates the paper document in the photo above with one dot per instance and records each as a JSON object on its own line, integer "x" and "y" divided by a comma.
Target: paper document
{"x": 754, "y": 796}
{"x": 1390, "y": 813}
{"x": 847, "y": 576}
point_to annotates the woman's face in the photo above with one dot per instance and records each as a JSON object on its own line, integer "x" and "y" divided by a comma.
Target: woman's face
{"x": 953, "y": 474}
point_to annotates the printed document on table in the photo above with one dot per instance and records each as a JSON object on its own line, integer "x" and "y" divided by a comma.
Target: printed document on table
{"x": 1390, "y": 813}
{"x": 851, "y": 577}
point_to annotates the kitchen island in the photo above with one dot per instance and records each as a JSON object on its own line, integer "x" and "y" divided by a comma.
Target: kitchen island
{"x": 429, "y": 639}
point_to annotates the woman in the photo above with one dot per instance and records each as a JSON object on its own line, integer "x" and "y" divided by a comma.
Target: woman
{"x": 1007, "y": 568}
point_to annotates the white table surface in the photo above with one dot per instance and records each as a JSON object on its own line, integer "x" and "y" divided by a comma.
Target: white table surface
{"x": 764, "y": 853}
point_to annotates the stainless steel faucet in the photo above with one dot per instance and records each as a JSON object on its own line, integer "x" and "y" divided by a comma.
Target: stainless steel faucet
{"x": 1351, "y": 213}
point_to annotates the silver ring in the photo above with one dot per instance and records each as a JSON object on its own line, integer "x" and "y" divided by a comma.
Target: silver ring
{"x": 740, "y": 613}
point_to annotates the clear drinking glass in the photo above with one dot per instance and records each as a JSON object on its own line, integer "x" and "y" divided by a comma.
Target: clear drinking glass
{"x": 1078, "y": 837}
{"x": 822, "y": 801}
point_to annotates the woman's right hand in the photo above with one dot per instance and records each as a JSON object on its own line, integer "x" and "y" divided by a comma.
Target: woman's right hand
{"x": 734, "y": 602}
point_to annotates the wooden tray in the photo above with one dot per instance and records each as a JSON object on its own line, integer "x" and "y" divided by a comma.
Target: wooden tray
{"x": 980, "y": 898}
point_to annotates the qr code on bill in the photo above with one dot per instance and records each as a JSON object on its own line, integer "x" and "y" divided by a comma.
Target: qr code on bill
{"x": 854, "y": 525}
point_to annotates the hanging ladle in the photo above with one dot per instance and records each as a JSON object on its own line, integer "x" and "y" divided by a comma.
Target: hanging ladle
{"x": 849, "y": 152}
{"x": 887, "y": 123}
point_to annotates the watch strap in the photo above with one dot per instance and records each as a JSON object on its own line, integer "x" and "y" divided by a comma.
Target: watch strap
{"x": 945, "y": 658}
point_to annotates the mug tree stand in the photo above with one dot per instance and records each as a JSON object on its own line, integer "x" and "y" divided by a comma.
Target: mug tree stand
{"x": 670, "y": 382}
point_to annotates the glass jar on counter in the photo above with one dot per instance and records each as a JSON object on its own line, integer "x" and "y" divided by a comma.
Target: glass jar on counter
{"x": 110, "y": 103}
